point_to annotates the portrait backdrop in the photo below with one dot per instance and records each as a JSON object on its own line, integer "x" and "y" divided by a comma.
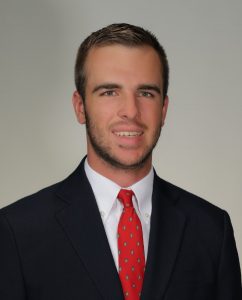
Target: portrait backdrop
{"x": 201, "y": 145}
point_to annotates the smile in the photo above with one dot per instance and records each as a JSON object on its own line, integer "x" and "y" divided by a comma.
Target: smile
{"x": 128, "y": 133}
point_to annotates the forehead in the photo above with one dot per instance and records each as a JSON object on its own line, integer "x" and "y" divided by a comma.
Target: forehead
{"x": 116, "y": 60}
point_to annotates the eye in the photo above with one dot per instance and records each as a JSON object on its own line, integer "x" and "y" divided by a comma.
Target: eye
{"x": 109, "y": 93}
{"x": 145, "y": 94}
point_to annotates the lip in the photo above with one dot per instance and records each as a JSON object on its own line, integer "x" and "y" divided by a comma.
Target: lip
{"x": 135, "y": 130}
{"x": 128, "y": 138}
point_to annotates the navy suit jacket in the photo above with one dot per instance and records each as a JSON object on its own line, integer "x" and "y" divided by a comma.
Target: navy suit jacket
{"x": 53, "y": 246}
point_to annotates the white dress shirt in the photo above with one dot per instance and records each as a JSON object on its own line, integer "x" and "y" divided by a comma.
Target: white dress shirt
{"x": 106, "y": 192}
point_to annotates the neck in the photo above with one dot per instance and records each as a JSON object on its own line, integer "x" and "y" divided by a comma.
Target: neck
{"x": 122, "y": 177}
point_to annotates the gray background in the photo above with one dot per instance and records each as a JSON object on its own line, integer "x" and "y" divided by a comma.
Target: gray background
{"x": 201, "y": 145}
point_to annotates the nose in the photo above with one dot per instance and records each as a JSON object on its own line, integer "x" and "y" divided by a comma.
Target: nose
{"x": 129, "y": 108}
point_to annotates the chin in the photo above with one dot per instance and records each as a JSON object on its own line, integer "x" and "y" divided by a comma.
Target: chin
{"x": 127, "y": 164}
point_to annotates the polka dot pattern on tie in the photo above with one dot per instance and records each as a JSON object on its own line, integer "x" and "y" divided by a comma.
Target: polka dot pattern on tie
{"x": 130, "y": 248}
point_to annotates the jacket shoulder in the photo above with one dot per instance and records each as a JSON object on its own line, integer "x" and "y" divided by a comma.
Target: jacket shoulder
{"x": 184, "y": 198}
{"x": 198, "y": 211}
{"x": 33, "y": 206}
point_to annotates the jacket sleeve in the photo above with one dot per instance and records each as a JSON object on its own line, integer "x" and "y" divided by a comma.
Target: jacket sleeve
{"x": 11, "y": 279}
{"x": 229, "y": 276}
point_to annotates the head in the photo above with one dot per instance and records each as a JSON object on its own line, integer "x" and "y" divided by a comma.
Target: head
{"x": 121, "y": 79}
{"x": 118, "y": 34}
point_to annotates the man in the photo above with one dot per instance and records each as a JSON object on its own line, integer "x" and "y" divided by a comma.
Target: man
{"x": 113, "y": 229}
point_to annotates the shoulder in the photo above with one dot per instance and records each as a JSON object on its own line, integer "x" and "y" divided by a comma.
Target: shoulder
{"x": 33, "y": 207}
{"x": 200, "y": 213}
{"x": 205, "y": 224}
{"x": 47, "y": 199}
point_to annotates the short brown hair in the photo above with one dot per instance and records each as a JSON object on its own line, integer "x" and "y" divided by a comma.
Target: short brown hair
{"x": 123, "y": 34}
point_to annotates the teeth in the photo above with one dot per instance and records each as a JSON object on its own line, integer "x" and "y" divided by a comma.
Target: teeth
{"x": 128, "y": 133}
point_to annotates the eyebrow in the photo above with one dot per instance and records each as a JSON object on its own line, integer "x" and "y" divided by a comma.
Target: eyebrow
{"x": 150, "y": 87}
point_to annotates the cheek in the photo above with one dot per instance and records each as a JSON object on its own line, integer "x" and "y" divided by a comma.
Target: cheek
{"x": 152, "y": 117}
{"x": 101, "y": 109}
{"x": 105, "y": 115}
{"x": 99, "y": 120}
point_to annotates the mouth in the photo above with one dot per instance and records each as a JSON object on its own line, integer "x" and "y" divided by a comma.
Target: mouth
{"x": 128, "y": 133}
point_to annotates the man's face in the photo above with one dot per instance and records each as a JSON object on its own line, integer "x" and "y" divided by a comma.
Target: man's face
{"x": 124, "y": 109}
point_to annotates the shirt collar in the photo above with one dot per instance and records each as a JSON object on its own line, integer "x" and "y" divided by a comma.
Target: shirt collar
{"x": 143, "y": 191}
{"x": 106, "y": 191}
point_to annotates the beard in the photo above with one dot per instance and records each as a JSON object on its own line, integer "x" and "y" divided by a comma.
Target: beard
{"x": 105, "y": 152}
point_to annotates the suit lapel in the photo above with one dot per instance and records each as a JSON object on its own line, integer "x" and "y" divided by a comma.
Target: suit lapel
{"x": 83, "y": 226}
{"x": 167, "y": 226}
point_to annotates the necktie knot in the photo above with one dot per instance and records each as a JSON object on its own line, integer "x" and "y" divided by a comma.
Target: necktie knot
{"x": 125, "y": 196}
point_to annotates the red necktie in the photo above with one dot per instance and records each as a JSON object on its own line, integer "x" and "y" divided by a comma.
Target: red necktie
{"x": 130, "y": 248}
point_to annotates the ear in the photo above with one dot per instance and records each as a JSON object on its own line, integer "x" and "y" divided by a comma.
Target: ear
{"x": 78, "y": 105}
{"x": 164, "y": 109}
